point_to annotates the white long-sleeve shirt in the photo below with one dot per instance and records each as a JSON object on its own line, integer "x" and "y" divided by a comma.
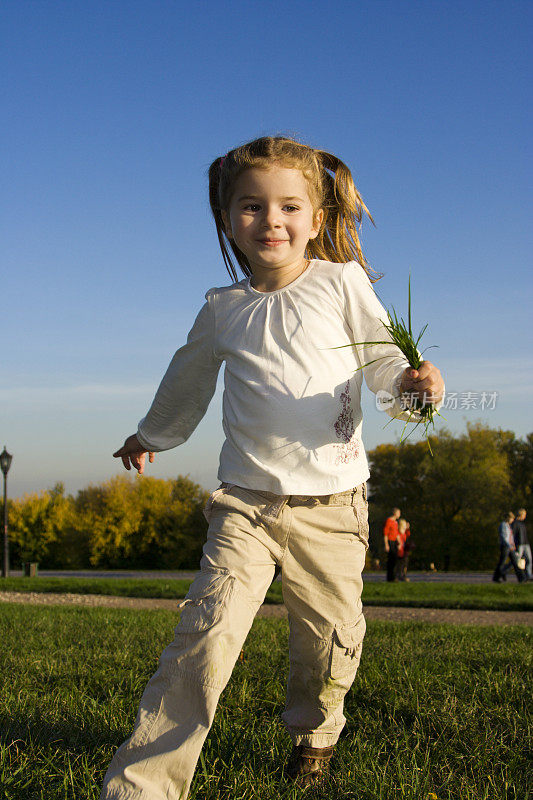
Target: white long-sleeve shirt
{"x": 292, "y": 393}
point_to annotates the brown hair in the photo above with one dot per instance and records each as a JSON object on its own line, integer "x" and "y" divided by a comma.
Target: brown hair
{"x": 331, "y": 188}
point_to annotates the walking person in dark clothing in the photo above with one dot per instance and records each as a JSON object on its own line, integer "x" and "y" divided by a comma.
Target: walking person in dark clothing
{"x": 507, "y": 550}
{"x": 391, "y": 540}
{"x": 521, "y": 542}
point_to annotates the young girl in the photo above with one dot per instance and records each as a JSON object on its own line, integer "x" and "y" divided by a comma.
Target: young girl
{"x": 403, "y": 534}
{"x": 293, "y": 466}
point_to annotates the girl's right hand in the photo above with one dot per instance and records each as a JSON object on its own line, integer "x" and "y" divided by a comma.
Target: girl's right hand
{"x": 133, "y": 454}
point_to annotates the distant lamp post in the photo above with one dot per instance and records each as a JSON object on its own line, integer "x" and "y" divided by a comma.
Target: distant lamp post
{"x": 5, "y": 463}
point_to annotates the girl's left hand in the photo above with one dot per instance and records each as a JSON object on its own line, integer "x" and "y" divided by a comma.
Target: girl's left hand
{"x": 132, "y": 452}
{"x": 425, "y": 384}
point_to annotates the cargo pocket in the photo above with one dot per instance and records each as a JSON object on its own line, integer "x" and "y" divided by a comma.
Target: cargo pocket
{"x": 205, "y": 600}
{"x": 346, "y": 649}
{"x": 213, "y": 497}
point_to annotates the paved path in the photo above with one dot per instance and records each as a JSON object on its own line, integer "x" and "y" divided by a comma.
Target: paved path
{"x": 369, "y": 577}
{"x": 440, "y": 615}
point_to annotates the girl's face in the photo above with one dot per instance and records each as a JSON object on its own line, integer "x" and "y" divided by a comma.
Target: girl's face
{"x": 271, "y": 219}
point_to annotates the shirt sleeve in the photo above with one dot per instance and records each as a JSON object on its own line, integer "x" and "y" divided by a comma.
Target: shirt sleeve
{"x": 186, "y": 389}
{"x": 382, "y": 364}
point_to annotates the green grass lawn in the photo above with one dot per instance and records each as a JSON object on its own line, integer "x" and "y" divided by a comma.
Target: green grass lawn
{"x": 509, "y": 596}
{"x": 436, "y": 710}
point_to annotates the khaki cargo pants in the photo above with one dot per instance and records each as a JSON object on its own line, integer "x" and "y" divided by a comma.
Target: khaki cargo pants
{"x": 319, "y": 544}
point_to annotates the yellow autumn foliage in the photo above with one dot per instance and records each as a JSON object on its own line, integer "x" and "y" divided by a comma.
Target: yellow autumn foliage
{"x": 121, "y": 523}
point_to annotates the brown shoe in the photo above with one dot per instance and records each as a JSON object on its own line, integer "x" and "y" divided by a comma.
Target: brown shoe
{"x": 308, "y": 765}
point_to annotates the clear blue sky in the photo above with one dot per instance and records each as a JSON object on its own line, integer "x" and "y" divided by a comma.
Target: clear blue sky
{"x": 112, "y": 112}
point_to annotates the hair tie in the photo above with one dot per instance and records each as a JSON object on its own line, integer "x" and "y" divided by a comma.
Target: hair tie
{"x": 222, "y": 161}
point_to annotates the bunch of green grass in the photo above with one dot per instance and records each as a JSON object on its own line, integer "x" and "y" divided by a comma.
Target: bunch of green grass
{"x": 402, "y": 336}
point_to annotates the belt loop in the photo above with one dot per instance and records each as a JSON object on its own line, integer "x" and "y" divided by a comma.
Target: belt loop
{"x": 272, "y": 512}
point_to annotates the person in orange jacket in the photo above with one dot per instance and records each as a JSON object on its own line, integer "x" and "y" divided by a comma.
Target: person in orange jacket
{"x": 391, "y": 541}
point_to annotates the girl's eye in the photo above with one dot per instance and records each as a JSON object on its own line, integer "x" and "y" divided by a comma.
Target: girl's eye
{"x": 291, "y": 208}
{"x": 252, "y": 207}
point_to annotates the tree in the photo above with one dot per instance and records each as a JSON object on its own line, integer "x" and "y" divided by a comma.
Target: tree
{"x": 36, "y": 522}
{"x": 121, "y": 523}
{"x": 520, "y": 456}
{"x": 146, "y": 522}
{"x": 183, "y": 529}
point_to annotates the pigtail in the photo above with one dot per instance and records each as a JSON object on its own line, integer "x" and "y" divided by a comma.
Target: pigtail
{"x": 215, "y": 171}
{"x": 218, "y": 175}
{"x": 343, "y": 206}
